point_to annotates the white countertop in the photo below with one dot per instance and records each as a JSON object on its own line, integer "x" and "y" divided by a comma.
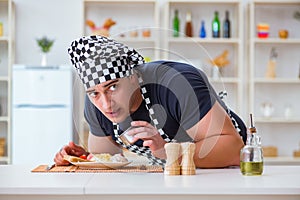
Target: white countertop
{"x": 16, "y": 181}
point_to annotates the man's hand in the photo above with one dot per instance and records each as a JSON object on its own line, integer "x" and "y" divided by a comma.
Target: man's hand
{"x": 71, "y": 149}
{"x": 151, "y": 137}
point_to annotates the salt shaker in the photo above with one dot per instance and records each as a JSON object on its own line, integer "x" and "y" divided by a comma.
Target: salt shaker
{"x": 187, "y": 163}
{"x": 172, "y": 166}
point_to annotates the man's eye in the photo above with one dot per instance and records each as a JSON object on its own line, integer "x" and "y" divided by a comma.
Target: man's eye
{"x": 113, "y": 87}
{"x": 93, "y": 94}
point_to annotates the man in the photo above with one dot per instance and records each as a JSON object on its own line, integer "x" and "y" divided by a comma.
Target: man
{"x": 163, "y": 101}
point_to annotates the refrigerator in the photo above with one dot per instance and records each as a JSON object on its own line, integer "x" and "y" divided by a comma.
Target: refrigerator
{"x": 41, "y": 112}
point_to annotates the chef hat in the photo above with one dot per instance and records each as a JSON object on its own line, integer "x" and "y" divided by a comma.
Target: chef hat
{"x": 98, "y": 59}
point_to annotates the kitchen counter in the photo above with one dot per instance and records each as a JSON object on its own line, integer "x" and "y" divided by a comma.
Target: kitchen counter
{"x": 277, "y": 182}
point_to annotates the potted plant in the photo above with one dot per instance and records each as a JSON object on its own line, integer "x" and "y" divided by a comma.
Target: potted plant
{"x": 45, "y": 44}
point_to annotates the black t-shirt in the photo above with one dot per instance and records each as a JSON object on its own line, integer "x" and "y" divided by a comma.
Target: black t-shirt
{"x": 180, "y": 96}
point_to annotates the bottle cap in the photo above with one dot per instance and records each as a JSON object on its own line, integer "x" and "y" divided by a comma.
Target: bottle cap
{"x": 188, "y": 16}
{"x": 252, "y": 128}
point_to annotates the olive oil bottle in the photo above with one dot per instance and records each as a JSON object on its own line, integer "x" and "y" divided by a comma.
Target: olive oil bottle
{"x": 251, "y": 155}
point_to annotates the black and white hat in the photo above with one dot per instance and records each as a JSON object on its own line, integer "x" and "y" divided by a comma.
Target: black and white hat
{"x": 98, "y": 59}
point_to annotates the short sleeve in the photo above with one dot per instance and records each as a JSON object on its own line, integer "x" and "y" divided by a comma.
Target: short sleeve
{"x": 187, "y": 94}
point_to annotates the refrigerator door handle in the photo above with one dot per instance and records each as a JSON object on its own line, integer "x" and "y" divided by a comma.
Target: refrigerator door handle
{"x": 49, "y": 106}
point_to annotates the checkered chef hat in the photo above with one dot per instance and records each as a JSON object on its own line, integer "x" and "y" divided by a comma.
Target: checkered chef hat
{"x": 98, "y": 59}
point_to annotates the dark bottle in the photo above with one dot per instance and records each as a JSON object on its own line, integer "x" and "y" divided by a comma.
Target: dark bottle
{"x": 176, "y": 24}
{"x": 202, "y": 30}
{"x": 216, "y": 26}
{"x": 226, "y": 26}
{"x": 189, "y": 25}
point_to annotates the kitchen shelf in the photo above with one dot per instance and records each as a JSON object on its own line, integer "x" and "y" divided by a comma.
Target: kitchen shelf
{"x": 277, "y": 120}
{"x": 4, "y": 78}
{"x": 276, "y": 80}
{"x": 7, "y": 59}
{"x": 277, "y": 41}
{"x": 282, "y": 160}
{"x": 283, "y": 90}
{"x": 204, "y": 40}
{"x": 198, "y": 51}
{"x": 4, "y": 119}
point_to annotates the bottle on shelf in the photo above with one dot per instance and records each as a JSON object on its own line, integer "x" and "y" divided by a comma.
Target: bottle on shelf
{"x": 226, "y": 26}
{"x": 188, "y": 25}
{"x": 202, "y": 33}
{"x": 251, "y": 155}
{"x": 176, "y": 24}
{"x": 216, "y": 26}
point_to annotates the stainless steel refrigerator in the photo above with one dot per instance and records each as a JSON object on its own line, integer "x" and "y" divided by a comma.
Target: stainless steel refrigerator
{"x": 41, "y": 112}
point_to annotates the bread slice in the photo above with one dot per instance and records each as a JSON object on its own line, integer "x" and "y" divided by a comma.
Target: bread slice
{"x": 75, "y": 159}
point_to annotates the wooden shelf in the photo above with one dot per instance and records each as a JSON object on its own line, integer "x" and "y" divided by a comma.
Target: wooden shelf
{"x": 224, "y": 80}
{"x": 277, "y": 80}
{"x": 277, "y": 120}
{"x": 282, "y": 160}
{"x": 4, "y": 78}
{"x": 4, "y": 119}
{"x": 272, "y": 41}
{"x": 135, "y": 39}
{"x": 203, "y": 40}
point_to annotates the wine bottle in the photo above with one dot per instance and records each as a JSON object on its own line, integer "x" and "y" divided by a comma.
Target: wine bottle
{"x": 188, "y": 25}
{"x": 216, "y": 26}
{"x": 202, "y": 30}
{"x": 176, "y": 24}
{"x": 226, "y": 26}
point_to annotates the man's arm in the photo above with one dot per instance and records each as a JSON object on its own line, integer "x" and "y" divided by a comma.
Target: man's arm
{"x": 217, "y": 142}
{"x": 104, "y": 144}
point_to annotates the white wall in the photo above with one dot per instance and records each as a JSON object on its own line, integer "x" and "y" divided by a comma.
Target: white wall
{"x": 57, "y": 19}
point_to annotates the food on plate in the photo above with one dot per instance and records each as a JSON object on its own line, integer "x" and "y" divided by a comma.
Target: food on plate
{"x": 106, "y": 157}
{"x": 75, "y": 159}
{"x": 102, "y": 157}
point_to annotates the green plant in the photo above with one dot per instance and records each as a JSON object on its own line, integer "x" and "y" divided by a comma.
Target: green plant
{"x": 45, "y": 44}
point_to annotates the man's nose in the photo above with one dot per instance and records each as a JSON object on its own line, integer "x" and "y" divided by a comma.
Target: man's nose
{"x": 106, "y": 101}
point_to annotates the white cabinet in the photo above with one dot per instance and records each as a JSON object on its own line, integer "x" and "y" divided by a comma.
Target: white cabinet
{"x": 198, "y": 51}
{"x": 6, "y": 60}
{"x": 274, "y": 100}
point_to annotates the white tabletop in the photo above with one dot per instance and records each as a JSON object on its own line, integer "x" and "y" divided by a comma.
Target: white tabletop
{"x": 17, "y": 180}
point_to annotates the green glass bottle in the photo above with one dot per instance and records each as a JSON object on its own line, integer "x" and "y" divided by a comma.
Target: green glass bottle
{"x": 176, "y": 24}
{"x": 216, "y": 26}
{"x": 251, "y": 156}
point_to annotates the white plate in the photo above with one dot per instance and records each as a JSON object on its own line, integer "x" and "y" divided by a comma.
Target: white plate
{"x": 101, "y": 165}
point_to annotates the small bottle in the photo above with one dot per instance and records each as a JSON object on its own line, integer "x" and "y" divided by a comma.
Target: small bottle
{"x": 216, "y": 26}
{"x": 189, "y": 25}
{"x": 202, "y": 30}
{"x": 226, "y": 26}
{"x": 251, "y": 155}
{"x": 176, "y": 24}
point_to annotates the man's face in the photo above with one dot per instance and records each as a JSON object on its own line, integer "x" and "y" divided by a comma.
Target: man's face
{"x": 115, "y": 98}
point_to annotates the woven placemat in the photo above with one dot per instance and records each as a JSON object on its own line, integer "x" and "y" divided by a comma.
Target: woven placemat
{"x": 76, "y": 169}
